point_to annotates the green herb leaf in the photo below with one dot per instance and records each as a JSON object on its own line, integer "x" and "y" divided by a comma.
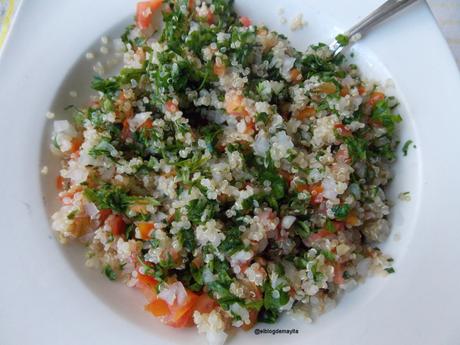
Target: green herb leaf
{"x": 106, "y": 86}
{"x": 328, "y": 255}
{"x": 341, "y": 211}
{"x": 330, "y": 226}
{"x": 302, "y": 229}
{"x": 201, "y": 210}
{"x": 343, "y": 40}
{"x": 108, "y": 197}
{"x": 110, "y": 273}
{"x": 406, "y": 146}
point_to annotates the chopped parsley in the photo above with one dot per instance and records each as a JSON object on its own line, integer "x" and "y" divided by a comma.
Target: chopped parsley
{"x": 110, "y": 273}
{"x": 406, "y": 146}
{"x": 342, "y": 39}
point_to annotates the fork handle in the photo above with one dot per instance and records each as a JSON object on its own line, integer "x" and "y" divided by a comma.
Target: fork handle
{"x": 385, "y": 11}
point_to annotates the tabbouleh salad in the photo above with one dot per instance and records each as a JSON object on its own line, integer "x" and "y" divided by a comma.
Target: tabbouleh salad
{"x": 227, "y": 175}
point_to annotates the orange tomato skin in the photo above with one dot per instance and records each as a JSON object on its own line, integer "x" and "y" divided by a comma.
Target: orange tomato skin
{"x": 252, "y": 320}
{"x": 205, "y": 304}
{"x": 76, "y": 143}
{"x": 338, "y": 274}
{"x": 375, "y": 97}
{"x": 361, "y": 90}
{"x": 296, "y": 76}
{"x": 181, "y": 315}
{"x": 327, "y": 88}
{"x": 352, "y": 219}
{"x": 147, "y": 124}
{"x": 305, "y": 113}
{"x": 144, "y": 12}
{"x": 145, "y": 229}
{"x": 219, "y": 69}
{"x": 344, "y": 91}
{"x": 234, "y": 105}
{"x": 157, "y": 307}
{"x": 147, "y": 285}
{"x": 143, "y": 17}
{"x": 59, "y": 183}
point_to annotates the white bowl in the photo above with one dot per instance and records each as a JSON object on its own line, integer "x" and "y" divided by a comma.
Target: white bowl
{"x": 48, "y": 296}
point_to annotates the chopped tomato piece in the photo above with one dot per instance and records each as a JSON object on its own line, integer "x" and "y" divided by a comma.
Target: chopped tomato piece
{"x": 344, "y": 91}
{"x": 157, "y": 307}
{"x": 328, "y": 88}
{"x": 146, "y": 280}
{"x": 244, "y": 266}
{"x": 117, "y": 224}
{"x": 252, "y": 320}
{"x": 305, "y": 113}
{"x": 234, "y": 104}
{"x": 76, "y": 143}
{"x": 338, "y": 273}
{"x": 171, "y": 106}
{"x": 104, "y": 214}
{"x": 219, "y": 69}
{"x": 250, "y": 127}
{"x": 351, "y": 219}
{"x": 143, "y": 15}
{"x": 145, "y": 230}
{"x": 316, "y": 194}
{"x": 144, "y": 12}
{"x": 147, "y": 124}
{"x": 191, "y": 5}
{"x": 125, "y": 131}
{"x": 147, "y": 285}
{"x": 245, "y": 21}
{"x": 197, "y": 262}
{"x": 323, "y": 233}
{"x": 286, "y": 176}
{"x": 343, "y": 130}
{"x": 181, "y": 315}
{"x": 80, "y": 225}
{"x": 339, "y": 226}
{"x": 205, "y": 304}
{"x": 361, "y": 90}
{"x": 67, "y": 196}
{"x": 210, "y": 18}
{"x": 59, "y": 183}
{"x": 375, "y": 97}
{"x": 155, "y": 4}
{"x": 296, "y": 76}
{"x": 302, "y": 187}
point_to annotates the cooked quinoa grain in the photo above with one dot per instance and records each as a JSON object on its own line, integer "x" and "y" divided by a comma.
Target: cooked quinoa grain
{"x": 227, "y": 175}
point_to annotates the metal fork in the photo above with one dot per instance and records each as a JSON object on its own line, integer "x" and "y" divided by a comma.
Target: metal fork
{"x": 386, "y": 10}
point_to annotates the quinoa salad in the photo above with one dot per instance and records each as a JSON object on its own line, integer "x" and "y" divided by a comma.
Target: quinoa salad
{"x": 226, "y": 175}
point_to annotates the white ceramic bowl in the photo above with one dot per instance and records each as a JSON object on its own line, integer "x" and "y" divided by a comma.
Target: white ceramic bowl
{"x": 47, "y": 294}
